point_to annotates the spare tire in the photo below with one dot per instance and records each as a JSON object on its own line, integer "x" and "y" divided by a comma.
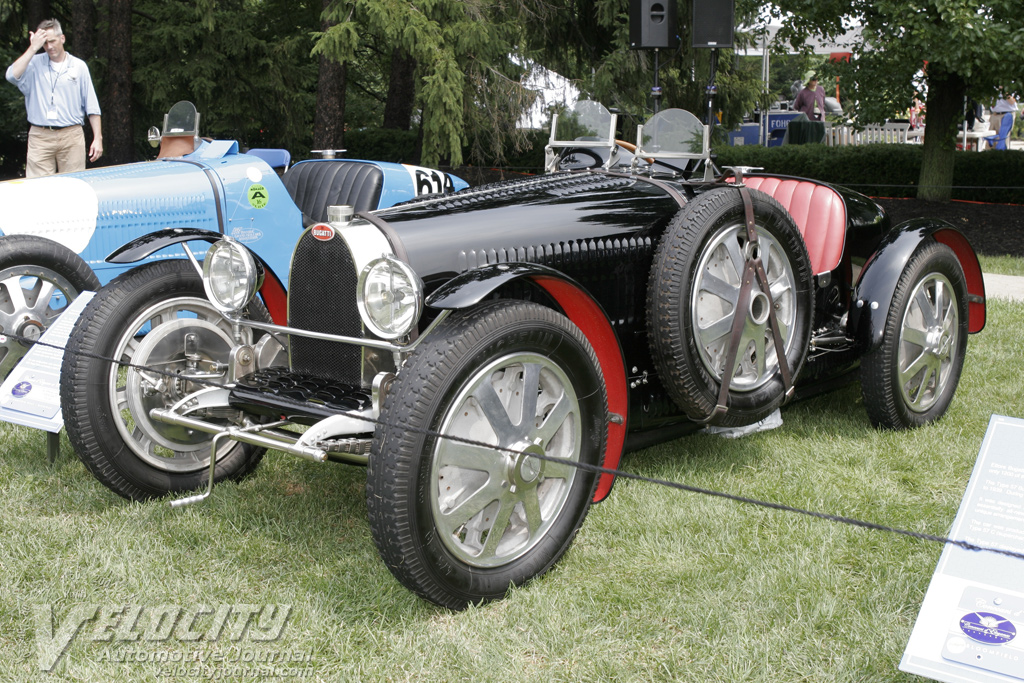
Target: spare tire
{"x": 692, "y": 300}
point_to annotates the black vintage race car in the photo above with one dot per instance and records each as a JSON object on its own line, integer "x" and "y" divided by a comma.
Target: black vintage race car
{"x": 484, "y": 351}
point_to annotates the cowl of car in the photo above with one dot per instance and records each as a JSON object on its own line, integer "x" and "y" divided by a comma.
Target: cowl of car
{"x": 486, "y": 353}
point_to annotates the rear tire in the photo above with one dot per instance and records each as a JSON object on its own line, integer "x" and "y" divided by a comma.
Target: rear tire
{"x": 910, "y": 379}
{"x": 142, "y": 318}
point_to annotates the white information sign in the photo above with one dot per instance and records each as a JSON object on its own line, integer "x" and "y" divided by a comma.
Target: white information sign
{"x": 971, "y": 624}
{"x": 30, "y": 395}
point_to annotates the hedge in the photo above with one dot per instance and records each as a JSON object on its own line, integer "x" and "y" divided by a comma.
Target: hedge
{"x": 888, "y": 170}
{"x": 882, "y": 170}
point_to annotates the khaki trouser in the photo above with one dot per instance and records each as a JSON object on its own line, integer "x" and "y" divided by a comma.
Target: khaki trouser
{"x": 55, "y": 151}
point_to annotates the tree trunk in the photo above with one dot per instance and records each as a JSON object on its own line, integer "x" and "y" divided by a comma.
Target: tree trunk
{"x": 944, "y": 114}
{"x": 401, "y": 91}
{"x": 329, "y": 122}
{"x": 119, "y": 147}
{"x": 83, "y": 22}
{"x": 36, "y": 11}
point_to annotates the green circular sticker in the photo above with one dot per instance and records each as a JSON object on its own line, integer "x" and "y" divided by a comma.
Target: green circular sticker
{"x": 258, "y": 196}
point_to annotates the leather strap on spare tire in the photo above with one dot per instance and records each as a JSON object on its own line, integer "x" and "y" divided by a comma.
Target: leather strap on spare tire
{"x": 730, "y": 306}
{"x": 753, "y": 268}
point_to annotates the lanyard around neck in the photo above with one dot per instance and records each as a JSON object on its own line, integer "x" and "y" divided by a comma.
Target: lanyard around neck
{"x": 53, "y": 78}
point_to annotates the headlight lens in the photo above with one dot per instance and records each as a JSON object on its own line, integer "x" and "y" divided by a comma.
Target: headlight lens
{"x": 231, "y": 276}
{"x": 390, "y": 297}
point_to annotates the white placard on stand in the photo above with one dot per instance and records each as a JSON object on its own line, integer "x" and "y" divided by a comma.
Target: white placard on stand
{"x": 971, "y": 625}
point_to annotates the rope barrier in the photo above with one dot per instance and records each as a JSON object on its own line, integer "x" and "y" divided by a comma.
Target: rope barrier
{"x": 595, "y": 469}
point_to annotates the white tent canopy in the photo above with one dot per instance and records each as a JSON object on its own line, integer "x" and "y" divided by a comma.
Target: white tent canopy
{"x": 770, "y": 42}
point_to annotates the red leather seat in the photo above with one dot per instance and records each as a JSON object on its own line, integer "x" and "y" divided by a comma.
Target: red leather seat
{"x": 819, "y": 213}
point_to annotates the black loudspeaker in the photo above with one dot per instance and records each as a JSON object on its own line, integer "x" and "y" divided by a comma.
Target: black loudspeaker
{"x": 712, "y": 23}
{"x": 652, "y": 23}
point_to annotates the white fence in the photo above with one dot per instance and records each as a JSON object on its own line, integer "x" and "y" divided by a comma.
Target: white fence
{"x": 836, "y": 136}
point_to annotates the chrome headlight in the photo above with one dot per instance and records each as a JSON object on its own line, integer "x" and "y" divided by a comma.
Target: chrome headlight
{"x": 231, "y": 276}
{"x": 389, "y": 297}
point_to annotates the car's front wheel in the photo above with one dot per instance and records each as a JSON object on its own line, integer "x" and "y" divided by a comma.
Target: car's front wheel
{"x": 459, "y": 508}
{"x": 911, "y": 378}
{"x": 145, "y": 341}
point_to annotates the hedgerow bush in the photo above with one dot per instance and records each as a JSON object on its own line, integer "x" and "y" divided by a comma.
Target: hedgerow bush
{"x": 887, "y": 170}
{"x": 882, "y": 170}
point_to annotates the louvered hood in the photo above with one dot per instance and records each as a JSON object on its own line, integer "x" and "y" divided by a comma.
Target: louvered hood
{"x": 539, "y": 220}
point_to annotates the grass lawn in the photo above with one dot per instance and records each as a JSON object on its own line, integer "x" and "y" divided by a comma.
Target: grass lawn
{"x": 659, "y": 585}
{"x": 1002, "y": 265}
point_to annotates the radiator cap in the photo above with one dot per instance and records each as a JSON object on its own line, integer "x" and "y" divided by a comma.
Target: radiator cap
{"x": 340, "y": 214}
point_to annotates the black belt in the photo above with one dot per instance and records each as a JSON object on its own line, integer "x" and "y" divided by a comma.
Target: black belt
{"x": 57, "y": 127}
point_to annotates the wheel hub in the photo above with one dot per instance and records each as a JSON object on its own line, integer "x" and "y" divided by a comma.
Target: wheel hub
{"x": 524, "y": 470}
{"x": 937, "y": 341}
{"x": 165, "y": 348}
{"x": 30, "y": 330}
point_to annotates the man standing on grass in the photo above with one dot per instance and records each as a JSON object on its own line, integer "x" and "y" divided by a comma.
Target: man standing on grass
{"x": 58, "y": 96}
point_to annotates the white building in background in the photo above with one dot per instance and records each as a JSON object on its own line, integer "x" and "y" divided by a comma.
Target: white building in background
{"x": 552, "y": 90}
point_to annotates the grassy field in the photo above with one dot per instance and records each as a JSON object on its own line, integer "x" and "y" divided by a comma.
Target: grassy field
{"x": 660, "y": 585}
{"x": 1002, "y": 265}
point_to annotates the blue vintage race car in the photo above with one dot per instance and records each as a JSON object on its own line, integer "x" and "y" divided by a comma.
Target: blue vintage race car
{"x": 55, "y": 232}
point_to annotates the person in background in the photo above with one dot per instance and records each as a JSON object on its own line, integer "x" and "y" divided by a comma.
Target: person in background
{"x": 1006, "y": 105}
{"x": 917, "y": 113}
{"x": 58, "y": 96}
{"x": 810, "y": 98}
{"x": 975, "y": 114}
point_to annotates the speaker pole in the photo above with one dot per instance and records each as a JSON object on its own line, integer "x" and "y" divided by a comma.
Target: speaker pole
{"x": 712, "y": 88}
{"x": 656, "y": 89}
{"x": 709, "y": 171}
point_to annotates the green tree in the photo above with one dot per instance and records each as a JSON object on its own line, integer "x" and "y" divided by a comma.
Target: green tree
{"x": 964, "y": 48}
{"x": 467, "y": 85}
{"x": 588, "y": 41}
{"x": 245, "y": 64}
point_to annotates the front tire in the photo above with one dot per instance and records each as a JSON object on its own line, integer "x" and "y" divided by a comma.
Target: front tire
{"x": 910, "y": 379}
{"x": 38, "y": 279}
{"x": 142, "y": 318}
{"x": 460, "y": 523}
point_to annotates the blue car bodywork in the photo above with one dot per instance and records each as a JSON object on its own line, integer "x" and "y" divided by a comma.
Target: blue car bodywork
{"x": 214, "y": 188}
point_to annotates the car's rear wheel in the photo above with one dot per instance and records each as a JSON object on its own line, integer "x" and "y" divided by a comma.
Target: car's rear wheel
{"x": 457, "y": 519}
{"x": 38, "y": 279}
{"x": 910, "y": 379}
{"x": 693, "y": 298}
{"x": 157, "y": 319}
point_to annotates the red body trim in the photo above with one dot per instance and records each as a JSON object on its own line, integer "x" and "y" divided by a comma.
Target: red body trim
{"x": 972, "y": 274}
{"x": 587, "y": 315}
{"x": 275, "y": 298}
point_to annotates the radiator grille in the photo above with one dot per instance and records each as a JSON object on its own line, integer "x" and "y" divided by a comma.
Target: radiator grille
{"x": 322, "y": 298}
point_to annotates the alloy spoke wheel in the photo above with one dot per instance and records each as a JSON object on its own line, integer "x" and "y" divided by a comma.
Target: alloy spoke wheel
{"x": 156, "y": 340}
{"x": 714, "y": 302}
{"x": 31, "y": 298}
{"x": 493, "y": 506}
{"x": 928, "y": 342}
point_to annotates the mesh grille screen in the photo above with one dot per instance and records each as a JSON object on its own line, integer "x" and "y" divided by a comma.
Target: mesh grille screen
{"x": 322, "y": 298}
